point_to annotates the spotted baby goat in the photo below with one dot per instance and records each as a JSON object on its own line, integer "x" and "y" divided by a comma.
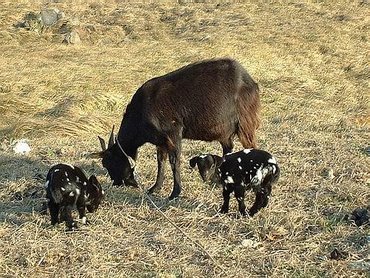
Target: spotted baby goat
{"x": 250, "y": 169}
{"x": 67, "y": 187}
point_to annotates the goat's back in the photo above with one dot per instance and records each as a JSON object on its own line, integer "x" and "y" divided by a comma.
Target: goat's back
{"x": 64, "y": 183}
{"x": 209, "y": 100}
{"x": 250, "y": 166}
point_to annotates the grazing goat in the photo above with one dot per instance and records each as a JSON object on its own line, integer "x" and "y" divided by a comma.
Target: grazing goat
{"x": 238, "y": 172}
{"x": 212, "y": 100}
{"x": 68, "y": 187}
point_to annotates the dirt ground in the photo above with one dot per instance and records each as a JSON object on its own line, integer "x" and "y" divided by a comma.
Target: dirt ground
{"x": 311, "y": 60}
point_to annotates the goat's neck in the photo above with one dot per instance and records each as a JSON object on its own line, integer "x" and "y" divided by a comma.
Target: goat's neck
{"x": 132, "y": 133}
{"x": 129, "y": 139}
{"x": 128, "y": 146}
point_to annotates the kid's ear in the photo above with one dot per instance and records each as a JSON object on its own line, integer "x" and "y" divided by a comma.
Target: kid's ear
{"x": 193, "y": 161}
{"x": 218, "y": 160}
{"x": 93, "y": 181}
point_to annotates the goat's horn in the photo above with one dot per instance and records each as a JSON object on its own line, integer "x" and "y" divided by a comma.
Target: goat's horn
{"x": 111, "y": 138}
{"x": 102, "y": 144}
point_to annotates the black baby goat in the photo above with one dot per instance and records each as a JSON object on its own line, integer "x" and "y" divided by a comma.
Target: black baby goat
{"x": 249, "y": 169}
{"x": 67, "y": 187}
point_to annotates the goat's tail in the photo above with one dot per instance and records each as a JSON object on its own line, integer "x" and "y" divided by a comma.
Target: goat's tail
{"x": 248, "y": 108}
{"x": 275, "y": 169}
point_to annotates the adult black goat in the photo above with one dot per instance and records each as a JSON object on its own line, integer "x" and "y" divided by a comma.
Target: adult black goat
{"x": 212, "y": 100}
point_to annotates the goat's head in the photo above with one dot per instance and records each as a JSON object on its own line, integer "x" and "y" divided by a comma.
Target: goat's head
{"x": 207, "y": 166}
{"x": 119, "y": 165}
{"x": 94, "y": 194}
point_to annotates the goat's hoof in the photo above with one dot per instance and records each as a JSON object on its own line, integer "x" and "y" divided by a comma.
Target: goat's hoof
{"x": 44, "y": 211}
{"x": 72, "y": 226}
{"x": 55, "y": 221}
{"x": 250, "y": 215}
{"x": 85, "y": 221}
{"x": 175, "y": 193}
{"x": 244, "y": 213}
{"x": 174, "y": 196}
{"x": 224, "y": 210}
{"x": 153, "y": 189}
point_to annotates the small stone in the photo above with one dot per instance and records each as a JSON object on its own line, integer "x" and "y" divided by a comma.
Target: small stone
{"x": 249, "y": 243}
{"x": 22, "y": 148}
{"x": 337, "y": 254}
{"x": 72, "y": 38}
{"x": 328, "y": 173}
{"x": 32, "y": 22}
{"x": 360, "y": 216}
{"x": 51, "y": 16}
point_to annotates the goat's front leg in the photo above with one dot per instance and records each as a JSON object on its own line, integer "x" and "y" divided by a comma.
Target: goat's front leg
{"x": 226, "y": 191}
{"x": 54, "y": 212}
{"x": 161, "y": 157}
{"x": 239, "y": 195}
{"x": 175, "y": 166}
{"x": 82, "y": 212}
{"x": 227, "y": 147}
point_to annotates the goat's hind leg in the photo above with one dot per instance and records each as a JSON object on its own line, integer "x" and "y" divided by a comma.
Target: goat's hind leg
{"x": 227, "y": 147}
{"x": 262, "y": 199}
{"x": 174, "y": 152}
{"x": 226, "y": 196}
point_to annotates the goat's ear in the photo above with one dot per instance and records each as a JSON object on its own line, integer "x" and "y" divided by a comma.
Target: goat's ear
{"x": 96, "y": 155}
{"x": 94, "y": 183}
{"x": 111, "y": 138}
{"x": 218, "y": 160}
{"x": 193, "y": 161}
{"x": 93, "y": 180}
{"x": 102, "y": 144}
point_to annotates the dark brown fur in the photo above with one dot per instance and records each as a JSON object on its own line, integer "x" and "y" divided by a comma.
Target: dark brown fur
{"x": 213, "y": 100}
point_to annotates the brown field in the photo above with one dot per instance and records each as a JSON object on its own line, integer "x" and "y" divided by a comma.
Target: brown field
{"x": 311, "y": 60}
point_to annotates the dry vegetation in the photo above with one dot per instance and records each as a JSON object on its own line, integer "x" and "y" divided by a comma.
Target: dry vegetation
{"x": 311, "y": 60}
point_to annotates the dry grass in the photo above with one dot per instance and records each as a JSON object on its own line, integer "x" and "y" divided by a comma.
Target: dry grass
{"x": 311, "y": 60}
